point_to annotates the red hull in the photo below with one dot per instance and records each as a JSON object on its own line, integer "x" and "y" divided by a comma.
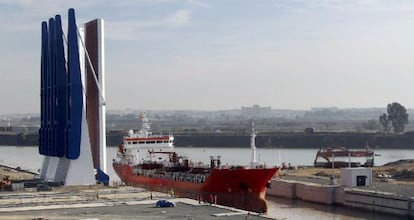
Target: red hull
{"x": 239, "y": 188}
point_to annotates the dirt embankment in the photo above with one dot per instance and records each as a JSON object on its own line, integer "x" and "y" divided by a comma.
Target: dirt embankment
{"x": 401, "y": 170}
{"x": 16, "y": 174}
{"x": 398, "y": 172}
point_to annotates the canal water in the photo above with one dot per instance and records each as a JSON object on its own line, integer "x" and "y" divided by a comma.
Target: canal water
{"x": 28, "y": 158}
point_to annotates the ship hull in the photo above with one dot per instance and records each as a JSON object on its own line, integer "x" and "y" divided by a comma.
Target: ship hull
{"x": 239, "y": 188}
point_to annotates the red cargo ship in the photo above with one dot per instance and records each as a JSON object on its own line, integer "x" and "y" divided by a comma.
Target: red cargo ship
{"x": 148, "y": 161}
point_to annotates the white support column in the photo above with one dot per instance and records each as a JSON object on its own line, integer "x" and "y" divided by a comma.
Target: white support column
{"x": 102, "y": 108}
{"x": 80, "y": 171}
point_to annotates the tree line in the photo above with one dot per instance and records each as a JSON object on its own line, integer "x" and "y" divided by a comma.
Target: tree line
{"x": 395, "y": 118}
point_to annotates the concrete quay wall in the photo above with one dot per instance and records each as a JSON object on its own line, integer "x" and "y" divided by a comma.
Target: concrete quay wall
{"x": 379, "y": 201}
{"x": 282, "y": 188}
{"x": 346, "y": 196}
{"x": 316, "y": 193}
{"x": 312, "y": 192}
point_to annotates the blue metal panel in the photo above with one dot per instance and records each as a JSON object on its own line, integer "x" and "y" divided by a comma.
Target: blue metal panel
{"x": 102, "y": 177}
{"x": 61, "y": 93}
{"x": 48, "y": 80}
{"x": 43, "y": 72}
{"x": 76, "y": 97}
{"x": 51, "y": 78}
{"x": 47, "y": 98}
{"x": 53, "y": 147}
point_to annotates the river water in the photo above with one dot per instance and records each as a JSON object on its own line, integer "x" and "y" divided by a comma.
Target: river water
{"x": 29, "y": 159}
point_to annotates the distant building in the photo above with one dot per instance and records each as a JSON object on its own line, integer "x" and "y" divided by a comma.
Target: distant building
{"x": 256, "y": 111}
{"x": 317, "y": 109}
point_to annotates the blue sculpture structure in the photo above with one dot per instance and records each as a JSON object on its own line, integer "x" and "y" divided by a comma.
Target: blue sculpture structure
{"x": 72, "y": 157}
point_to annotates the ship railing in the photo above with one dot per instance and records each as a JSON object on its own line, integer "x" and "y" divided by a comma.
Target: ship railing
{"x": 177, "y": 176}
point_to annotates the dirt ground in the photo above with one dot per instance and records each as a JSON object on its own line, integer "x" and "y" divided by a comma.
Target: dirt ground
{"x": 16, "y": 173}
{"x": 399, "y": 172}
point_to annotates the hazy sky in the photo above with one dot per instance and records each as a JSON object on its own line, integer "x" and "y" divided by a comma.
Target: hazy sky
{"x": 214, "y": 55}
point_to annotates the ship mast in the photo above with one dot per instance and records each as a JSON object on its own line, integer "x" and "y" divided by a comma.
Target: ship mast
{"x": 253, "y": 161}
{"x": 146, "y": 125}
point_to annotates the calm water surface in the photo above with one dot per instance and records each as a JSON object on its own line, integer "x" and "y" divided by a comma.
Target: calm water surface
{"x": 28, "y": 158}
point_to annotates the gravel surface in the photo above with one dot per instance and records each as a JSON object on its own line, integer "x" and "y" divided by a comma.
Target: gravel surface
{"x": 397, "y": 187}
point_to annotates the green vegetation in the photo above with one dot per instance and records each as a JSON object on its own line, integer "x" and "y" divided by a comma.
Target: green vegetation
{"x": 371, "y": 125}
{"x": 397, "y": 115}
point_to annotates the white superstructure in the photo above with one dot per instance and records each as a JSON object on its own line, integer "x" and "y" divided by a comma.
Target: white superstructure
{"x": 143, "y": 145}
